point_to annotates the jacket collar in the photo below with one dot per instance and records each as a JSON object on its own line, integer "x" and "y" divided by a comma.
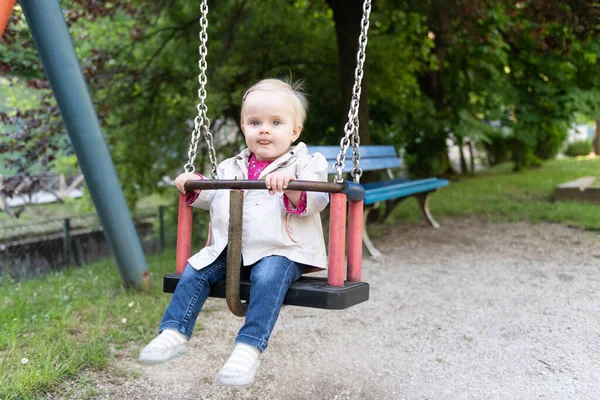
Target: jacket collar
{"x": 294, "y": 151}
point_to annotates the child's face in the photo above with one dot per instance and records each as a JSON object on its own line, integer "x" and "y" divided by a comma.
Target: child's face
{"x": 268, "y": 124}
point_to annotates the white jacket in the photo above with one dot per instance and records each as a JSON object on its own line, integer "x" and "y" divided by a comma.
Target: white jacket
{"x": 264, "y": 230}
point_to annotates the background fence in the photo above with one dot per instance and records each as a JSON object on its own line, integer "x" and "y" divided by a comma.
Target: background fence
{"x": 37, "y": 248}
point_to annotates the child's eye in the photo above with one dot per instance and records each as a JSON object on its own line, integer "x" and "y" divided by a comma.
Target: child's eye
{"x": 255, "y": 123}
{"x": 276, "y": 122}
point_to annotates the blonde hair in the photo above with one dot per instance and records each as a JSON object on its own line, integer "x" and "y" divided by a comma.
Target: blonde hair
{"x": 293, "y": 90}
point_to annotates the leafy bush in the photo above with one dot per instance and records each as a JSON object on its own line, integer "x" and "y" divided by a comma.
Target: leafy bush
{"x": 497, "y": 147}
{"x": 578, "y": 148}
{"x": 550, "y": 138}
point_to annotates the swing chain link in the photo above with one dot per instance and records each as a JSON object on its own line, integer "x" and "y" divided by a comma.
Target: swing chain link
{"x": 351, "y": 136}
{"x": 202, "y": 122}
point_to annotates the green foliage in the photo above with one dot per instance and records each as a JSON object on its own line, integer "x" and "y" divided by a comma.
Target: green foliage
{"x": 19, "y": 56}
{"x": 578, "y": 148}
{"x": 152, "y": 104}
{"x": 524, "y": 67}
{"x": 550, "y": 140}
{"x": 508, "y": 76}
{"x": 399, "y": 51}
{"x": 497, "y": 147}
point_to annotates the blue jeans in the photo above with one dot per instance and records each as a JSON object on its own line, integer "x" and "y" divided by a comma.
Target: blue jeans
{"x": 270, "y": 279}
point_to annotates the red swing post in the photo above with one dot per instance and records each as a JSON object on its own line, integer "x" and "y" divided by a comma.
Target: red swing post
{"x": 355, "y": 228}
{"x": 184, "y": 234}
{"x": 337, "y": 236}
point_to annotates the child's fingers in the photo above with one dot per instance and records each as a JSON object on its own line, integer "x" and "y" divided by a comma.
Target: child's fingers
{"x": 279, "y": 185}
{"x": 180, "y": 184}
{"x": 287, "y": 181}
{"x": 277, "y": 182}
{"x": 268, "y": 182}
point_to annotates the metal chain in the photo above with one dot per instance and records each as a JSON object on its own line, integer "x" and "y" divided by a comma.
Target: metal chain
{"x": 351, "y": 129}
{"x": 202, "y": 122}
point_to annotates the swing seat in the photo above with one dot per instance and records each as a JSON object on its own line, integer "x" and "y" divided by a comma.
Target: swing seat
{"x": 305, "y": 292}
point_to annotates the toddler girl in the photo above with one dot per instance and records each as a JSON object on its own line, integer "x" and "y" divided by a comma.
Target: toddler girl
{"x": 281, "y": 234}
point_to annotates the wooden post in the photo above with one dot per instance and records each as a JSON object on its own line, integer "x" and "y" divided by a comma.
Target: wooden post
{"x": 67, "y": 241}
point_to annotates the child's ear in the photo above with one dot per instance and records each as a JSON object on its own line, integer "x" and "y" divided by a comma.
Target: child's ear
{"x": 297, "y": 132}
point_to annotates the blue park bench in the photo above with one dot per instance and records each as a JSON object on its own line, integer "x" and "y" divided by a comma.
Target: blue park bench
{"x": 392, "y": 191}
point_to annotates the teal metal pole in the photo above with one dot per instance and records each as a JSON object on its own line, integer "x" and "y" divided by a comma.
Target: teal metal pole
{"x": 52, "y": 39}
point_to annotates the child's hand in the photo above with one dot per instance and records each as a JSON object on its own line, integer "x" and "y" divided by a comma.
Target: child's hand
{"x": 278, "y": 181}
{"x": 181, "y": 180}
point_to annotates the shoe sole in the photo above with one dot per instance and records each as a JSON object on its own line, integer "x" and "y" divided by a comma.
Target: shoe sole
{"x": 241, "y": 386}
{"x": 162, "y": 361}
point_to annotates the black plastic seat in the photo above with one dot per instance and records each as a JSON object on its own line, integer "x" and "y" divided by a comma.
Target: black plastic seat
{"x": 305, "y": 292}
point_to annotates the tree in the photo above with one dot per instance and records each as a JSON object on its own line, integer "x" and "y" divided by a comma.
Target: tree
{"x": 347, "y": 16}
{"x": 504, "y": 74}
{"x": 596, "y": 142}
{"x": 495, "y": 59}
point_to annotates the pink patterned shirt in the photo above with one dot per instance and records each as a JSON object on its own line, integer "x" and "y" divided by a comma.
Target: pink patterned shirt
{"x": 255, "y": 168}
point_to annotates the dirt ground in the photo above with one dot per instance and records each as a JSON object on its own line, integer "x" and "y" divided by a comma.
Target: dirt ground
{"x": 473, "y": 310}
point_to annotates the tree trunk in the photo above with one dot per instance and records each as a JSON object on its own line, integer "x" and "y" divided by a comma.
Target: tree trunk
{"x": 472, "y": 161}
{"x": 347, "y": 15}
{"x": 463, "y": 161}
{"x": 596, "y": 143}
{"x": 432, "y": 83}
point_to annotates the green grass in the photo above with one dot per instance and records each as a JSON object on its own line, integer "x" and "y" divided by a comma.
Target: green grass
{"x": 53, "y": 328}
{"x": 501, "y": 195}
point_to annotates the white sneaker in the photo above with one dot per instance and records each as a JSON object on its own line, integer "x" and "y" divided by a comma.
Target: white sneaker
{"x": 240, "y": 368}
{"x": 168, "y": 345}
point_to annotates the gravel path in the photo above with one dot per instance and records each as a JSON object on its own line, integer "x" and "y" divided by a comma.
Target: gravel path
{"x": 470, "y": 311}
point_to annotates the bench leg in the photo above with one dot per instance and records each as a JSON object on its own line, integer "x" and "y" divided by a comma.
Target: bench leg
{"x": 390, "y": 206}
{"x": 424, "y": 206}
{"x": 365, "y": 236}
